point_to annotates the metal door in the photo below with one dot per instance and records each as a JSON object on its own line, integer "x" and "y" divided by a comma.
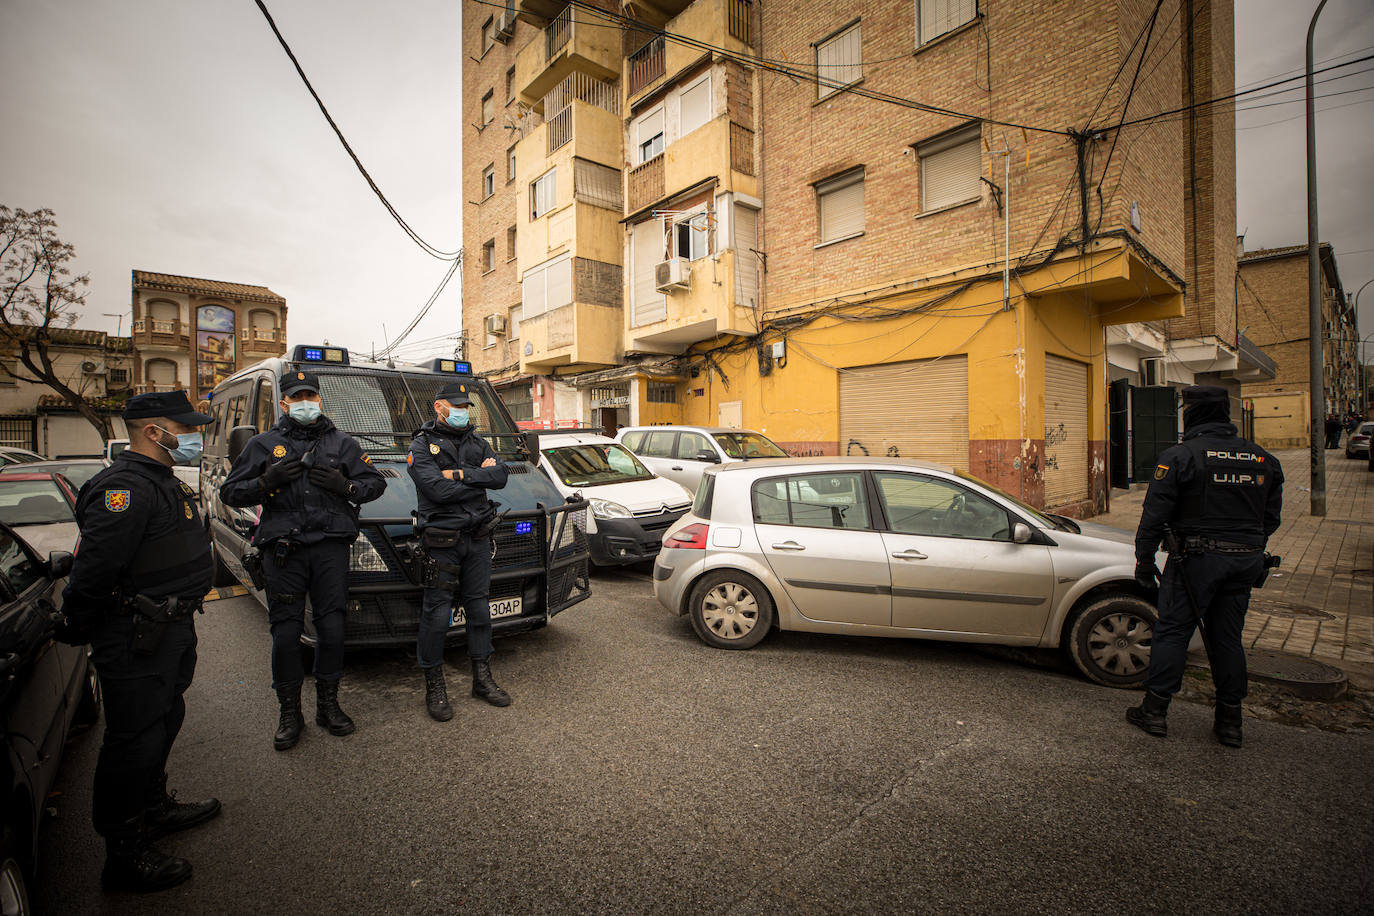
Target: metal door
{"x": 1154, "y": 427}
{"x": 1066, "y": 431}
{"x": 1119, "y": 433}
{"x": 914, "y": 409}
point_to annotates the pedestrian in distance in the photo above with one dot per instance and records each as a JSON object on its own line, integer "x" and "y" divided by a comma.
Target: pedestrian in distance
{"x": 141, "y": 573}
{"x": 309, "y": 476}
{"x": 453, "y": 468}
{"x": 1215, "y": 500}
{"x": 1333, "y": 431}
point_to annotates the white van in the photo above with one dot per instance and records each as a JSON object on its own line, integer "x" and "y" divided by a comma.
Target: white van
{"x": 683, "y": 453}
{"x": 630, "y": 506}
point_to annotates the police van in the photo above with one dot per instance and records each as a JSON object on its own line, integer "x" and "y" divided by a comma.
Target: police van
{"x": 541, "y": 551}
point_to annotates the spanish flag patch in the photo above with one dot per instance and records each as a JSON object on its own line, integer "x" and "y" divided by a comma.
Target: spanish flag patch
{"x": 1161, "y": 471}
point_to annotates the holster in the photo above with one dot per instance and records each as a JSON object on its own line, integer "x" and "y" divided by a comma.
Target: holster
{"x": 252, "y": 564}
{"x": 431, "y": 568}
{"x": 151, "y": 617}
{"x": 1271, "y": 561}
{"x": 488, "y": 521}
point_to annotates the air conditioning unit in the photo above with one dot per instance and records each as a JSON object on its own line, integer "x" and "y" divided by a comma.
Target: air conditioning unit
{"x": 1152, "y": 372}
{"x": 88, "y": 367}
{"x": 494, "y": 324}
{"x": 672, "y": 274}
{"x": 504, "y": 27}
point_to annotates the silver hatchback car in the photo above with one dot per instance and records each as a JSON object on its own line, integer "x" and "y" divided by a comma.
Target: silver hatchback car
{"x": 894, "y": 547}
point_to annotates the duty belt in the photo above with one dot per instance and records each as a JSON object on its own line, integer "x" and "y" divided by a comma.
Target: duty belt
{"x": 1196, "y": 544}
{"x": 166, "y": 608}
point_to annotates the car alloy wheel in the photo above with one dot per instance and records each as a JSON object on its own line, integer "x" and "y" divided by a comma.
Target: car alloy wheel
{"x": 730, "y": 610}
{"x": 1110, "y": 641}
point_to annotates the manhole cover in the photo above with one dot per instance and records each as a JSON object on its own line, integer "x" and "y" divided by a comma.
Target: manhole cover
{"x": 1287, "y": 609}
{"x": 1304, "y": 677}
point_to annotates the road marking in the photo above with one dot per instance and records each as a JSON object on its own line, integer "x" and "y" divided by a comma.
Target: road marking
{"x": 232, "y": 591}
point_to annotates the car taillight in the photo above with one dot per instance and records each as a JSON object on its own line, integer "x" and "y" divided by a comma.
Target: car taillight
{"x": 693, "y": 537}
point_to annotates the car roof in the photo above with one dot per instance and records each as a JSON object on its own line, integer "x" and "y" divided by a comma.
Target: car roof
{"x": 550, "y": 440}
{"x": 29, "y": 475}
{"x": 53, "y": 462}
{"x": 678, "y": 427}
{"x": 836, "y": 461}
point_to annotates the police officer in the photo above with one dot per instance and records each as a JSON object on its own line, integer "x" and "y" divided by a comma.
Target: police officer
{"x": 1216, "y": 498}
{"x": 142, "y": 569}
{"x": 453, "y": 468}
{"x": 309, "y": 477}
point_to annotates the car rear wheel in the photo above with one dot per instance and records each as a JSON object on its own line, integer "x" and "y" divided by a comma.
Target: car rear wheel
{"x": 730, "y": 610}
{"x": 14, "y": 892}
{"x": 1110, "y": 640}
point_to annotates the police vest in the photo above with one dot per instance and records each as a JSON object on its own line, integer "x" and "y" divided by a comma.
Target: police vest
{"x": 1229, "y": 490}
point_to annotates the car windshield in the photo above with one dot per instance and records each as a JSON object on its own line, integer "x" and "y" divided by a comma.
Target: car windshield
{"x": 76, "y": 472}
{"x": 1033, "y": 512}
{"x": 593, "y": 465}
{"x": 748, "y": 445}
{"x": 33, "y": 502}
{"x": 383, "y": 409}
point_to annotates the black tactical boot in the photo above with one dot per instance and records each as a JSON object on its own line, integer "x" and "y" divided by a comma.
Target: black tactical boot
{"x": 1228, "y": 724}
{"x": 327, "y": 711}
{"x": 291, "y": 723}
{"x": 484, "y": 687}
{"x": 167, "y": 815}
{"x": 436, "y": 694}
{"x": 1150, "y": 715}
{"x": 132, "y": 864}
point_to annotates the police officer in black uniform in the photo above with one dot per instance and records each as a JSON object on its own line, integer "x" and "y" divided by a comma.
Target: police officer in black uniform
{"x": 142, "y": 569}
{"x": 309, "y": 477}
{"x": 1215, "y": 499}
{"x": 453, "y": 468}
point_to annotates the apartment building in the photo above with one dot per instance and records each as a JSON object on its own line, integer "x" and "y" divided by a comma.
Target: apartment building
{"x": 873, "y": 228}
{"x": 1273, "y": 299}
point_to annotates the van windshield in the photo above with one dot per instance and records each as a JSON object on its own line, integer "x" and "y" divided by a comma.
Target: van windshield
{"x": 383, "y": 409}
{"x": 594, "y": 464}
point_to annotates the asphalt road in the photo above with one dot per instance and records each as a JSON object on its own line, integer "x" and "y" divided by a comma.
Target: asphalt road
{"x": 640, "y": 770}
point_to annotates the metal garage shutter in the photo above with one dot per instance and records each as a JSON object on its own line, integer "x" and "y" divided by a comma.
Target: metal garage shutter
{"x": 916, "y": 409}
{"x": 1066, "y": 431}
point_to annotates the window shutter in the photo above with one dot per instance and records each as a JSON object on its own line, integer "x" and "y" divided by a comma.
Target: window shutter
{"x": 940, "y": 16}
{"x": 650, "y": 126}
{"x": 696, "y": 107}
{"x": 746, "y": 262}
{"x": 532, "y": 293}
{"x": 559, "y": 283}
{"x": 950, "y": 168}
{"x": 838, "y": 61}
{"x": 842, "y": 206}
{"x": 649, "y": 304}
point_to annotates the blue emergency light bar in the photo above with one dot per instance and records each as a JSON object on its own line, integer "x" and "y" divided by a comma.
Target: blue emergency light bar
{"x": 455, "y": 366}
{"x": 524, "y": 527}
{"x": 334, "y": 356}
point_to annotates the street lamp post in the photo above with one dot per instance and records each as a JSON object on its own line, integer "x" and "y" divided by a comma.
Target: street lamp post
{"x": 1317, "y": 402}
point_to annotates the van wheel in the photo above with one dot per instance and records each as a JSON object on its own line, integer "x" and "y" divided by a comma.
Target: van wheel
{"x": 14, "y": 891}
{"x": 1110, "y": 641}
{"x": 730, "y": 610}
{"x": 224, "y": 576}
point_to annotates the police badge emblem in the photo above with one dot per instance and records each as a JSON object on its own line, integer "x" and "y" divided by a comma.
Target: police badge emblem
{"x": 433, "y": 449}
{"x": 116, "y": 500}
{"x": 187, "y": 507}
{"x": 278, "y": 451}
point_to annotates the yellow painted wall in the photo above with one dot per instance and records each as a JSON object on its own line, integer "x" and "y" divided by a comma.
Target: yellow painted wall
{"x": 587, "y": 231}
{"x": 702, "y": 154}
{"x": 1281, "y": 419}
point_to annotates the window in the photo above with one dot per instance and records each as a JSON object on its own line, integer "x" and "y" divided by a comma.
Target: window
{"x": 649, "y": 305}
{"x": 488, "y": 255}
{"x": 936, "y": 17}
{"x": 488, "y": 34}
{"x": 812, "y": 501}
{"x": 510, "y": 244}
{"x": 513, "y": 324}
{"x": 950, "y": 168}
{"x": 939, "y": 508}
{"x": 596, "y": 184}
{"x": 16, "y": 565}
{"x": 267, "y": 412}
{"x": 648, "y": 136}
{"x": 488, "y": 181}
{"x": 692, "y": 237}
{"x": 510, "y": 164}
{"x": 510, "y": 85}
{"x": 838, "y": 61}
{"x": 695, "y": 108}
{"x": 543, "y": 193}
{"x": 546, "y": 287}
{"x": 841, "y": 203}
{"x": 748, "y": 445}
{"x": 661, "y": 393}
{"x": 119, "y": 377}
{"x": 593, "y": 465}
{"x": 659, "y": 444}
{"x": 691, "y": 445}
{"x": 488, "y": 107}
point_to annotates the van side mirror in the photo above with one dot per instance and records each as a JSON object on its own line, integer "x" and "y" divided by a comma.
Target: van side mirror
{"x": 238, "y": 440}
{"x": 1020, "y": 533}
{"x": 59, "y": 564}
{"x": 530, "y": 439}
{"x": 708, "y": 456}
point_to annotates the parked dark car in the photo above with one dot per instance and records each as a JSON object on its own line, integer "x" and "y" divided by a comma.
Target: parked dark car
{"x": 46, "y": 687}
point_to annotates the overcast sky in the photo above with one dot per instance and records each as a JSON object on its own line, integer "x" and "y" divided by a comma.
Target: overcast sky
{"x": 174, "y": 136}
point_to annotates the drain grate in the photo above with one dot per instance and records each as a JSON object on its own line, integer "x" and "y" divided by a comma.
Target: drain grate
{"x": 1288, "y": 609}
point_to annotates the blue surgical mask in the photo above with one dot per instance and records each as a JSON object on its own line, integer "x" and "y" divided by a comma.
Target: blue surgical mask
{"x": 305, "y": 411}
{"x": 189, "y": 447}
{"x": 457, "y": 417}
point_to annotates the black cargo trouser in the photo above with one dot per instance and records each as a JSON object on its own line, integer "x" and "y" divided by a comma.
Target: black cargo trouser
{"x": 471, "y": 585}
{"x": 320, "y": 571}
{"x": 144, "y": 710}
{"x": 1220, "y": 584}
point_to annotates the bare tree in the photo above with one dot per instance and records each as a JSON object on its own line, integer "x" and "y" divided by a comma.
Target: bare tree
{"x": 40, "y": 297}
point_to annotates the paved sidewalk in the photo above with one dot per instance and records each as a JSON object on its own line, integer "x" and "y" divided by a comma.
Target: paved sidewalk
{"x": 1320, "y": 603}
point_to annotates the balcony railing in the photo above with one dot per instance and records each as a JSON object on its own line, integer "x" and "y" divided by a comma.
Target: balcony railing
{"x": 646, "y": 64}
{"x": 556, "y": 35}
{"x": 646, "y": 184}
{"x": 157, "y": 326}
{"x": 158, "y": 386}
{"x": 741, "y": 149}
{"x": 260, "y": 335}
{"x": 578, "y": 87}
{"x": 560, "y": 128}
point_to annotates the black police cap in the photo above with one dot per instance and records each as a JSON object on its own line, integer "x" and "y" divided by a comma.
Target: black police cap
{"x": 1205, "y": 394}
{"x": 292, "y": 382}
{"x": 174, "y": 405}
{"x": 456, "y": 393}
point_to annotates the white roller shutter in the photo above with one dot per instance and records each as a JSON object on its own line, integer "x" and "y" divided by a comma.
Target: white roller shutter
{"x": 916, "y": 409}
{"x": 746, "y": 262}
{"x": 940, "y": 16}
{"x": 695, "y": 106}
{"x": 649, "y": 304}
{"x": 839, "y": 61}
{"x": 950, "y": 169}
{"x": 1066, "y": 431}
{"x": 560, "y": 291}
{"x": 842, "y": 206}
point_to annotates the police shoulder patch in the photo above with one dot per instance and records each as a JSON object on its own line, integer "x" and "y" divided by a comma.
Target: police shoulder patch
{"x": 186, "y": 488}
{"x": 1161, "y": 471}
{"x": 117, "y": 500}
{"x": 433, "y": 449}
{"x": 278, "y": 451}
{"x": 367, "y": 459}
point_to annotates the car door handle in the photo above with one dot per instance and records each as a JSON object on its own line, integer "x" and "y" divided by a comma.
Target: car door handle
{"x": 911, "y": 554}
{"x": 676, "y": 467}
{"x": 789, "y": 545}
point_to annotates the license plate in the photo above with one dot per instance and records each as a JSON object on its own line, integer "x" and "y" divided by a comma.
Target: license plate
{"x": 500, "y": 607}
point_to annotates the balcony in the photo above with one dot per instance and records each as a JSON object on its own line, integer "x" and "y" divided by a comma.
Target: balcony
{"x": 161, "y": 334}
{"x": 158, "y": 386}
{"x": 645, "y": 65}
{"x": 721, "y": 150}
{"x": 573, "y": 42}
{"x": 584, "y": 106}
{"x": 717, "y": 301}
{"x": 727, "y": 23}
{"x": 577, "y": 335}
{"x": 645, "y": 184}
{"x": 271, "y": 341}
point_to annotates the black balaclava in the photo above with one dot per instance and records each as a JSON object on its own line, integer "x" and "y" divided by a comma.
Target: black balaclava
{"x": 1205, "y": 404}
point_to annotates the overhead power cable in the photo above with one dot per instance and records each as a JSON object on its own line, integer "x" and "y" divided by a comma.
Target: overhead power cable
{"x": 453, "y": 266}
{"x": 429, "y": 249}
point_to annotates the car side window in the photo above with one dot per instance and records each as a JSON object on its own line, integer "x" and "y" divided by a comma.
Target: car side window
{"x": 938, "y": 508}
{"x": 16, "y": 566}
{"x": 689, "y": 445}
{"x": 659, "y": 444}
{"x": 632, "y": 440}
{"x": 266, "y": 406}
{"x": 812, "y": 501}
